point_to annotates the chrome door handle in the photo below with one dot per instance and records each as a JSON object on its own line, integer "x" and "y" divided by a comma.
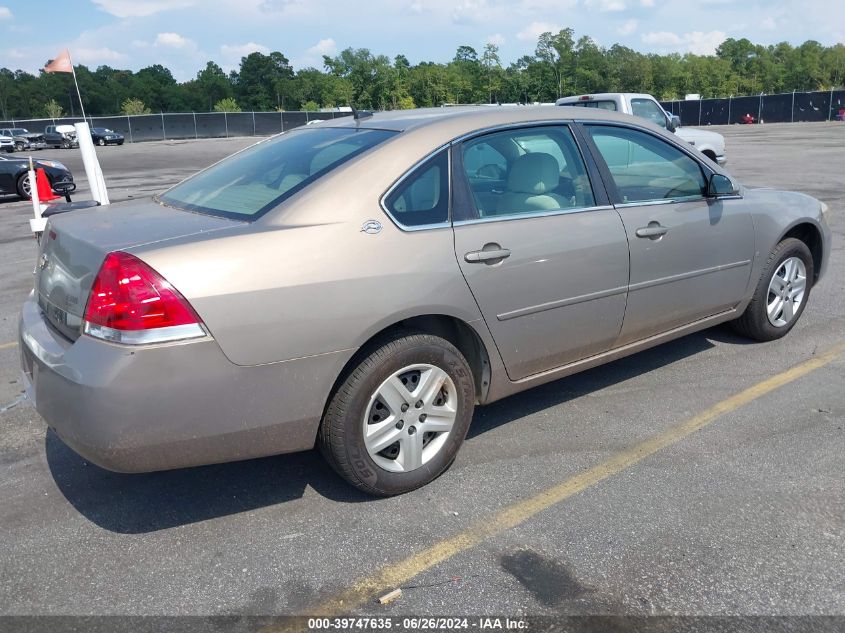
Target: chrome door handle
{"x": 496, "y": 253}
{"x": 653, "y": 231}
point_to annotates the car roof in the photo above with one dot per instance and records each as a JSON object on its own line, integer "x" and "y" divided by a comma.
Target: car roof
{"x": 467, "y": 119}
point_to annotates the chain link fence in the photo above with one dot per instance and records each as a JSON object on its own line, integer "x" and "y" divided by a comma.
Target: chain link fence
{"x": 160, "y": 127}
{"x": 790, "y": 107}
{"x": 778, "y": 108}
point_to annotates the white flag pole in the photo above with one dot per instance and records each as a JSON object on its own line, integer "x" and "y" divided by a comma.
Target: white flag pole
{"x": 76, "y": 83}
{"x": 36, "y": 225}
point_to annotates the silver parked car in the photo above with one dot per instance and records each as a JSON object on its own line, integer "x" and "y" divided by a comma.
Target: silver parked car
{"x": 363, "y": 283}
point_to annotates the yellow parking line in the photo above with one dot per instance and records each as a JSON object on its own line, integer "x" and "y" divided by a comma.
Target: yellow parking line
{"x": 397, "y": 574}
{"x": 8, "y": 345}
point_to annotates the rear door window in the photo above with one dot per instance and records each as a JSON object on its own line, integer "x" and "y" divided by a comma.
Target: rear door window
{"x": 543, "y": 172}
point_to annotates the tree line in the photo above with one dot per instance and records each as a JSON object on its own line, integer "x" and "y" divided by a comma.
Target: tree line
{"x": 561, "y": 65}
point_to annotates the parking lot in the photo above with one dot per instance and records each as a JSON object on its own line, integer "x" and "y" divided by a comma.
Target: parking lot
{"x": 702, "y": 477}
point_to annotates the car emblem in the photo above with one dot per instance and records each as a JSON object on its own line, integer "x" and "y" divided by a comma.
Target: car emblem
{"x": 371, "y": 227}
{"x": 42, "y": 261}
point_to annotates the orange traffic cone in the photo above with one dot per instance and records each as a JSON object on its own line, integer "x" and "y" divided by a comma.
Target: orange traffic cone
{"x": 45, "y": 192}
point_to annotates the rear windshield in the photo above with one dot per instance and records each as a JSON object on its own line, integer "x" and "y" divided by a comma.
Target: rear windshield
{"x": 602, "y": 105}
{"x": 250, "y": 183}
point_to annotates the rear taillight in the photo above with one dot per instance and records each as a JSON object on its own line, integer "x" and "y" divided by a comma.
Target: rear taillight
{"x": 131, "y": 303}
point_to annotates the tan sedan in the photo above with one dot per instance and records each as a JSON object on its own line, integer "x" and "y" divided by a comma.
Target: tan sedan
{"x": 363, "y": 284}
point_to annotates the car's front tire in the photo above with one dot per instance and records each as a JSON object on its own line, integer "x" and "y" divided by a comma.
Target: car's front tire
{"x": 101, "y": 142}
{"x": 781, "y": 294}
{"x": 397, "y": 420}
{"x": 23, "y": 187}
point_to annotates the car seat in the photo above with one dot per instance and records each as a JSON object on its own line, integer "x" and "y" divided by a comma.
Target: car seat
{"x": 531, "y": 184}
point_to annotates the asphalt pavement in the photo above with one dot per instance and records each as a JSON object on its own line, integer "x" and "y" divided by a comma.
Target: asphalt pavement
{"x": 741, "y": 514}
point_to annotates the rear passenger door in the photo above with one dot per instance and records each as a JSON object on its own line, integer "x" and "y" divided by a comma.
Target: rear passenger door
{"x": 544, "y": 254}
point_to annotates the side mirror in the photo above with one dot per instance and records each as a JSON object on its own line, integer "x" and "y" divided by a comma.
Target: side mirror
{"x": 720, "y": 185}
{"x": 672, "y": 122}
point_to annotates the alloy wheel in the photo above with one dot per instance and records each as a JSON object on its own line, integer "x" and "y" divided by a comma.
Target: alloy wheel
{"x": 786, "y": 291}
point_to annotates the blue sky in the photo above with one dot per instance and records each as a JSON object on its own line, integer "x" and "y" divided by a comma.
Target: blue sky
{"x": 184, "y": 34}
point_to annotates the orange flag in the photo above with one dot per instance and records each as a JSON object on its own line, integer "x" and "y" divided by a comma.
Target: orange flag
{"x": 61, "y": 64}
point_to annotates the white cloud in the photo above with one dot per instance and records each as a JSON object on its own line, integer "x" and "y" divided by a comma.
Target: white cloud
{"x": 628, "y": 27}
{"x": 5, "y": 13}
{"x": 469, "y": 11}
{"x": 326, "y": 46}
{"x": 242, "y": 50}
{"x": 531, "y": 32}
{"x": 96, "y": 56}
{"x": 14, "y": 53}
{"x": 769, "y": 24}
{"x": 546, "y": 5}
{"x": 647, "y": 3}
{"x": 497, "y": 40}
{"x": 141, "y": 8}
{"x": 605, "y": 6}
{"x": 696, "y": 42}
{"x": 173, "y": 40}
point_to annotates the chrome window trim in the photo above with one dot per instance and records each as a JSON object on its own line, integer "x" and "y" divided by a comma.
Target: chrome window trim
{"x": 407, "y": 174}
{"x": 512, "y": 126}
{"x": 652, "y": 203}
{"x": 534, "y": 214}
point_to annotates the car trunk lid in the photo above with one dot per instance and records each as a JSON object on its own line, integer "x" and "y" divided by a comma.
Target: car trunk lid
{"x": 75, "y": 244}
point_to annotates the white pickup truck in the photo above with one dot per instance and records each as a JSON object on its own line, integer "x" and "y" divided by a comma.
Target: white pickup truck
{"x": 710, "y": 144}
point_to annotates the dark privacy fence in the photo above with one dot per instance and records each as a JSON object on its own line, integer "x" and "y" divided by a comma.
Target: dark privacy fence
{"x": 780, "y": 108}
{"x": 159, "y": 127}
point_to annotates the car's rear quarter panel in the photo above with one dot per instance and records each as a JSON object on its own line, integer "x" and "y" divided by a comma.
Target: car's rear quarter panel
{"x": 308, "y": 281}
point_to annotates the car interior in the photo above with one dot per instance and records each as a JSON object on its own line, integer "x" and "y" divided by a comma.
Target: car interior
{"x": 526, "y": 171}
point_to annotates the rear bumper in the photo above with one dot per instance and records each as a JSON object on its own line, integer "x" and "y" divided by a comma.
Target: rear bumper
{"x": 140, "y": 409}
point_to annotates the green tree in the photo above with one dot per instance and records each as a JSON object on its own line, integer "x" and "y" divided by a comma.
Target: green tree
{"x": 493, "y": 70}
{"x": 369, "y": 76}
{"x": 213, "y": 84}
{"x": 134, "y": 106}
{"x": 259, "y": 82}
{"x": 227, "y": 105}
{"x": 53, "y": 109}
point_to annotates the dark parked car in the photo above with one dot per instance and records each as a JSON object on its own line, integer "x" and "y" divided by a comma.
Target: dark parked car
{"x": 104, "y": 136}
{"x": 63, "y": 136}
{"x": 13, "y": 175}
{"x": 24, "y": 139}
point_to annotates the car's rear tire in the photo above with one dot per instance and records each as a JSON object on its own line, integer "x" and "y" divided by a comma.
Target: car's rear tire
{"x": 781, "y": 294}
{"x": 23, "y": 187}
{"x": 101, "y": 142}
{"x": 409, "y": 383}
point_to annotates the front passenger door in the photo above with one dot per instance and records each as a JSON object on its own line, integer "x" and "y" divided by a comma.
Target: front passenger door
{"x": 690, "y": 255}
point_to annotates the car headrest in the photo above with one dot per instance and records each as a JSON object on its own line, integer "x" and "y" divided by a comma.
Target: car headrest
{"x": 534, "y": 173}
